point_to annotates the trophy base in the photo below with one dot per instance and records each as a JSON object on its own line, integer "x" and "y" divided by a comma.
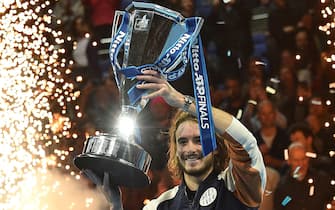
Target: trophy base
{"x": 121, "y": 172}
{"x": 126, "y": 162}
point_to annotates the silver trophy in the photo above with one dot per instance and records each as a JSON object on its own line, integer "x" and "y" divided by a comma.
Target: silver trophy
{"x": 143, "y": 37}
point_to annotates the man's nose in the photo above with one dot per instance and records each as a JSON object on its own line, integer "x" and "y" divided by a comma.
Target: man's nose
{"x": 191, "y": 146}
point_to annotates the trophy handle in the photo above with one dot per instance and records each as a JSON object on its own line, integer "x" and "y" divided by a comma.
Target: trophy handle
{"x": 117, "y": 21}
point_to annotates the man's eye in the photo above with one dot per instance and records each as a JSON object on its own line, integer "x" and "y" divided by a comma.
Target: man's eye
{"x": 182, "y": 141}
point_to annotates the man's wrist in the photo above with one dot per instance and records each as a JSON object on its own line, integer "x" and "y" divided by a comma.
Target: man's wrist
{"x": 188, "y": 101}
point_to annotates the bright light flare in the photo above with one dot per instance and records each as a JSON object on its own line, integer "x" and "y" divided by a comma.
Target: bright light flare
{"x": 126, "y": 126}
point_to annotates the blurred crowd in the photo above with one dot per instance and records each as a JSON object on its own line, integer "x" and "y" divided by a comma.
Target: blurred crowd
{"x": 267, "y": 65}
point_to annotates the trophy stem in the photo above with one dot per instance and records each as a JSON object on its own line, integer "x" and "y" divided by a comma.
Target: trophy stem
{"x": 123, "y": 92}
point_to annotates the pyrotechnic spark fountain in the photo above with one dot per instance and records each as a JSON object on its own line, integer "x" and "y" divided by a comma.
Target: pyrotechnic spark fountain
{"x": 32, "y": 83}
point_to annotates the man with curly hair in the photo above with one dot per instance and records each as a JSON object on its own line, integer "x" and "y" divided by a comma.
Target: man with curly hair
{"x": 230, "y": 178}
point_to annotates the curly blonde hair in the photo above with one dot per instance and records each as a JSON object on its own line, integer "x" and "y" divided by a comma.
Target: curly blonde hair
{"x": 220, "y": 154}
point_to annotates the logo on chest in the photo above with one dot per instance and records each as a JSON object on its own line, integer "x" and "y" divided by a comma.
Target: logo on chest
{"x": 208, "y": 197}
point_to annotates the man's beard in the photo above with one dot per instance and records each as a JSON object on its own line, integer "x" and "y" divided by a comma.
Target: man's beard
{"x": 195, "y": 172}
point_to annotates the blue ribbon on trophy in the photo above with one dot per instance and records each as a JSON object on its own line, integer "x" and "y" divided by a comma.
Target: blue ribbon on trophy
{"x": 171, "y": 63}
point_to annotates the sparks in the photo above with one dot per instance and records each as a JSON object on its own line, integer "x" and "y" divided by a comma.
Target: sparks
{"x": 32, "y": 84}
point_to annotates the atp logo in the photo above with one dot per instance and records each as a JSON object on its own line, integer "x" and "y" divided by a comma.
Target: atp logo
{"x": 142, "y": 24}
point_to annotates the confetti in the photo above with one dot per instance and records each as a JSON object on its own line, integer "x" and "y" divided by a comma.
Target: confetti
{"x": 239, "y": 114}
{"x": 267, "y": 192}
{"x": 316, "y": 102}
{"x": 296, "y": 172}
{"x": 311, "y": 155}
{"x": 285, "y": 154}
{"x": 274, "y": 80}
{"x": 311, "y": 190}
{"x": 270, "y": 90}
{"x": 260, "y": 63}
{"x": 286, "y": 200}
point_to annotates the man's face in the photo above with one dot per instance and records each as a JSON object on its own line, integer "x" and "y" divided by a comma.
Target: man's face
{"x": 298, "y": 136}
{"x": 298, "y": 162}
{"x": 267, "y": 115}
{"x": 313, "y": 122}
{"x": 233, "y": 88}
{"x": 301, "y": 40}
{"x": 287, "y": 59}
{"x": 189, "y": 151}
{"x": 316, "y": 107}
